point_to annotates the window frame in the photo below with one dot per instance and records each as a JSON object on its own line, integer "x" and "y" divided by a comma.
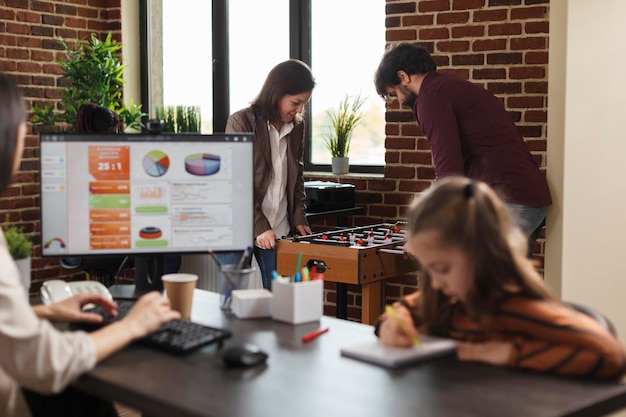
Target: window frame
{"x": 299, "y": 48}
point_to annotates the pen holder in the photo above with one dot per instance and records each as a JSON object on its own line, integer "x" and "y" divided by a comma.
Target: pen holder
{"x": 297, "y": 302}
{"x": 231, "y": 279}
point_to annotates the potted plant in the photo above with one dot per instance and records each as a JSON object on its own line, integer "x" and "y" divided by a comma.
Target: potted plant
{"x": 92, "y": 73}
{"x": 20, "y": 249}
{"x": 179, "y": 118}
{"x": 343, "y": 121}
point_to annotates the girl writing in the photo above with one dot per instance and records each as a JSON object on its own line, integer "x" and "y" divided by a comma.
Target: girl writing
{"x": 479, "y": 288}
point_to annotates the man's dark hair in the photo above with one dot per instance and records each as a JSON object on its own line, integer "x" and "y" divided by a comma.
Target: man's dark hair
{"x": 406, "y": 57}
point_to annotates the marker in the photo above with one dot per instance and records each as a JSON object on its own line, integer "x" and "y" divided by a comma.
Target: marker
{"x": 392, "y": 313}
{"x": 298, "y": 262}
{"x": 310, "y": 336}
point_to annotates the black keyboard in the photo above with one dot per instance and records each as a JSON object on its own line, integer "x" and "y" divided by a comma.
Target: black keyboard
{"x": 177, "y": 336}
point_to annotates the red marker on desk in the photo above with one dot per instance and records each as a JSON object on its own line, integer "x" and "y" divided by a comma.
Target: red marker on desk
{"x": 310, "y": 336}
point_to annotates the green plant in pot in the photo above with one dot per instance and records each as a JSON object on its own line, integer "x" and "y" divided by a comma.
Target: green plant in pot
{"x": 20, "y": 248}
{"x": 92, "y": 73}
{"x": 344, "y": 120}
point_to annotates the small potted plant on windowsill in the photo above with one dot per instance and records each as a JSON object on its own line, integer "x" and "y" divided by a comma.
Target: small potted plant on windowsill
{"x": 343, "y": 121}
{"x": 20, "y": 248}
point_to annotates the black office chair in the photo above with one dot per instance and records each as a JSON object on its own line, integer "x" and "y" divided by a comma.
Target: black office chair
{"x": 599, "y": 317}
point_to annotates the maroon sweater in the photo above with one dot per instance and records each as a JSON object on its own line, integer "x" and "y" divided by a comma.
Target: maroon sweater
{"x": 471, "y": 134}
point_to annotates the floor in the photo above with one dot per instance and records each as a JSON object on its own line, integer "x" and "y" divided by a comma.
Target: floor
{"x": 124, "y": 411}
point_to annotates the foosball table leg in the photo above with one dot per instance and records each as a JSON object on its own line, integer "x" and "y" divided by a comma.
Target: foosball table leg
{"x": 342, "y": 300}
{"x": 371, "y": 296}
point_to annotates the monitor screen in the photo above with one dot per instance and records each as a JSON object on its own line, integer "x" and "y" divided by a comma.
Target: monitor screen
{"x": 142, "y": 194}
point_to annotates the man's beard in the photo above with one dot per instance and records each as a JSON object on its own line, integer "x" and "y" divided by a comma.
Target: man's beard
{"x": 410, "y": 97}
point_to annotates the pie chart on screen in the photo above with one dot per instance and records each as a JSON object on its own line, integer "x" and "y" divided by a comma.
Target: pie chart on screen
{"x": 202, "y": 164}
{"x": 156, "y": 163}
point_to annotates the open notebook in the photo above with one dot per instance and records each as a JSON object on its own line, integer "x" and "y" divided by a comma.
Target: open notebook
{"x": 395, "y": 357}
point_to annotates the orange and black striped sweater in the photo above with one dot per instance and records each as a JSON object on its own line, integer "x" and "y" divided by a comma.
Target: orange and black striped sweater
{"x": 547, "y": 337}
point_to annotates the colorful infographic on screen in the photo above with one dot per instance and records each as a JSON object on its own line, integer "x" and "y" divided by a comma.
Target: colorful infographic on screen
{"x": 141, "y": 196}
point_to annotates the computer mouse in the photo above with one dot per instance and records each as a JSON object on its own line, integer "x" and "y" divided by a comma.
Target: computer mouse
{"x": 243, "y": 355}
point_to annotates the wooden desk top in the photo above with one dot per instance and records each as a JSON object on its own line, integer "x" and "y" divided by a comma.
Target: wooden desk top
{"x": 312, "y": 379}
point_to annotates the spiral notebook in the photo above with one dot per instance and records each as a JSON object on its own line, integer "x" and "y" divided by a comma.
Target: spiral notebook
{"x": 395, "y": 357}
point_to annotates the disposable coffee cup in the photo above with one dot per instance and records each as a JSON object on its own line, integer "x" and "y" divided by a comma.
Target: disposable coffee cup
{"x": 232, "y": 279}
{"x": 179, "y": 289}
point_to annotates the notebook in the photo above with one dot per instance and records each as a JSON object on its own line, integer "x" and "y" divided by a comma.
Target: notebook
{"x": 395, "y": 357}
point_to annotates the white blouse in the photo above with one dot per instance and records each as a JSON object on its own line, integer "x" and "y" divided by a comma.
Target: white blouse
{"x": 33, "y": 354}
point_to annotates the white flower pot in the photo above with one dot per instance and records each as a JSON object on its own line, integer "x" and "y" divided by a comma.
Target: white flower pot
{"x": 23, "y": 266}
{"x": 340, "y": 165}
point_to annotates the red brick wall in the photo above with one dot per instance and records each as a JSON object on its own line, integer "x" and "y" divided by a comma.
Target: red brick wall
{"x": 29, "y": 49}
{"x": 500, "y": 44}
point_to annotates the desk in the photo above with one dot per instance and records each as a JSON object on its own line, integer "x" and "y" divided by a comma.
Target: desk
{"x": 314, "y": 380}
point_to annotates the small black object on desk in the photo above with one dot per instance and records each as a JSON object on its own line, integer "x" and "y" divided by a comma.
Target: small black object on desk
{"x": 243, "y": 355}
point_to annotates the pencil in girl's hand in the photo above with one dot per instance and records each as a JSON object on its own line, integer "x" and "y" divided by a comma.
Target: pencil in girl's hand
{"x": 392, "y": 313}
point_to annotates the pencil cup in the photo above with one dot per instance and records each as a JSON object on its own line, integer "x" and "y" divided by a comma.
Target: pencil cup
{"x": 297, "y": 302}
{"x": 231, "y": 279}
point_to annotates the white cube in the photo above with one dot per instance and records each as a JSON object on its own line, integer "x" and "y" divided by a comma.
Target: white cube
{"x": 247, "y": 304}
{"x": 298, "y": 302}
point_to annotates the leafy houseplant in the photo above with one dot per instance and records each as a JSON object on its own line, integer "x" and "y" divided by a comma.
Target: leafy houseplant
{"x": 19, "y": 245}
{"x": 20, "y": 249}
{"x": 92, "y": 73}
{"x": 343, "y": 121}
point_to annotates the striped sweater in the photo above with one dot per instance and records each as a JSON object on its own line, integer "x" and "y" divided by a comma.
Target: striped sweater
{"x": 547, "y": 337}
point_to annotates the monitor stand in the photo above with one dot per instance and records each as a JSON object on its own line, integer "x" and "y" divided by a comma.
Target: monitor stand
{"x": 148, "y": 272}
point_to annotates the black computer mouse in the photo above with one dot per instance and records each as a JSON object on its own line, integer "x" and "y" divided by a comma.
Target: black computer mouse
{"x": 243, "y": 355}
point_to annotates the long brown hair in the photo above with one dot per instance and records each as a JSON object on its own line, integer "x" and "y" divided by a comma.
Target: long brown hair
{"x": 468, "y": 215}
{"x": 289, "y": 77}
{"x": 12, "y": 115}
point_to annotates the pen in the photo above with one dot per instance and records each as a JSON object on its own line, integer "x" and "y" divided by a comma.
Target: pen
{"x": 310, "y": 336}
{"x": 217, "y": 261}
{"x": 244, "y": 258}
{"x": 392, "y": 313}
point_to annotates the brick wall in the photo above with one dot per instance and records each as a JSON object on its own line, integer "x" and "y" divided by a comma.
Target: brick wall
{"x": 499, "y": 44}
{"x": 29, "y": 49}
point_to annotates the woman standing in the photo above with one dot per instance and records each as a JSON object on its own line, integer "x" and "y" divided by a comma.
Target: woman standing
{"x": 275, "y": 118}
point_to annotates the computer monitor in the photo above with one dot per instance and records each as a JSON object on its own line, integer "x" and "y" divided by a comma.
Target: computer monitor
{"x": 145, "y": 196}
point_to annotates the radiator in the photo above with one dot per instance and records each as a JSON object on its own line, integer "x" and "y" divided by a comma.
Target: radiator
{"x": 208, "y": 273}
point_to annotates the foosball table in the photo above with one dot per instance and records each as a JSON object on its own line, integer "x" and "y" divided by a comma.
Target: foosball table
{"x": 364, "y": 256}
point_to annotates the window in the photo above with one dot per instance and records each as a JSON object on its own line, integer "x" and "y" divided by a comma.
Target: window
{"x": 345, "y": 54}
{"x": 255, "y": 45}
{"x": 181, "y": 57}
{"x": 187, "y": 39}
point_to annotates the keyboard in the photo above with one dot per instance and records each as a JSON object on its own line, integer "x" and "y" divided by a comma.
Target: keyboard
{"x": 177, "y": 336}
